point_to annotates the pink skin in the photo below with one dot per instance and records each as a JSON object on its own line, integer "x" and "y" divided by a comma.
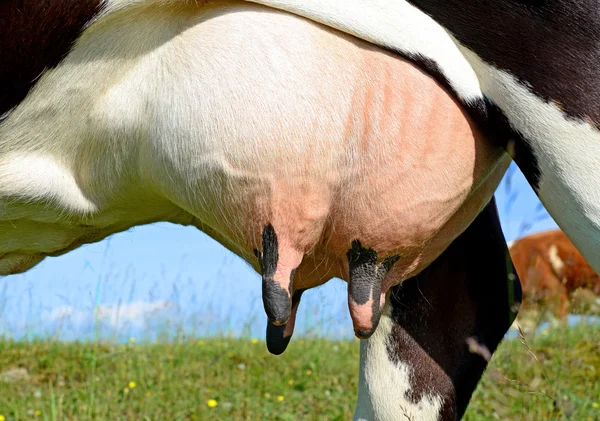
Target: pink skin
{"x": 420, "y": 175}
{"x": 361, "y": 314}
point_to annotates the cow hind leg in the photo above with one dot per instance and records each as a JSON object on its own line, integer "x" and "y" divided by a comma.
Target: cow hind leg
{"x": 439, "y": 330}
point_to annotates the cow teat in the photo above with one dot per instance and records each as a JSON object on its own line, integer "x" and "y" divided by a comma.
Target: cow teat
{"x": 277, "y": 264}
{"x": 365, "y": 295}
{"x": 278, "y": 337}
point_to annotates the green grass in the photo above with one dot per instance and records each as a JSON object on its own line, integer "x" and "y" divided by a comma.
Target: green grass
{"x": 314, "y": 380}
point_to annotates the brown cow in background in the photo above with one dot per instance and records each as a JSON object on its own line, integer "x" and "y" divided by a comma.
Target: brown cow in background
{"x": 551, "y": 270}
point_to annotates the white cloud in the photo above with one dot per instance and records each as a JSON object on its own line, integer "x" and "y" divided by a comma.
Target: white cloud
{"x": 66, "y": 313}
{"x": 135, "y": 313}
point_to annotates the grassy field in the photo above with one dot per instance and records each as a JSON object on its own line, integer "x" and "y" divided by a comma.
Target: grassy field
{"x": 555, "y": 376}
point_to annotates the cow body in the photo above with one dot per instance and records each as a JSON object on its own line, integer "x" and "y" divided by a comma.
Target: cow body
{"x": 551, "y": 270}
{"x": 309, "y": 153}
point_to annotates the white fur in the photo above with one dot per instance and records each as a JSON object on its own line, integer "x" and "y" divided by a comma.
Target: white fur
{"x": 568, "y": 153}
{"x": 50, "y": 176}
{"x": 383, "y": 384}
{"x": 393, "y": 24}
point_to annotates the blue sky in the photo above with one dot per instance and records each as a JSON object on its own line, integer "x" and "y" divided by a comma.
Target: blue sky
{"x": 163, "y": 279}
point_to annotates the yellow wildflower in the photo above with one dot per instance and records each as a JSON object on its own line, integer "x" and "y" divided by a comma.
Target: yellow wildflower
{"x": 280, "y": 398}
{"x": 2, "y": 418}
{"x": 308, "y": 372}
{"x": 201, "y": 343}
{"x": 267, "y": 395}
{"x": 37, "y": 412}
{"x": 595, "y": 405}
{"x": 132, "y": 385}
{"x": 254, "y": 340}
{"x": 212, "y": 403}
{"x": 290, "y": 382}
{"x": 126, "y": 390}
{"x": 132, "y": 340}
